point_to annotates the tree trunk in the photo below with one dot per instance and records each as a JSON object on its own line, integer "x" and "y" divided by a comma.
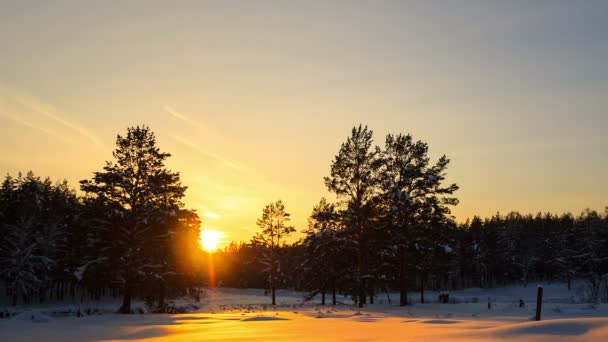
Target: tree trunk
{"x": 361, "y": 294}
{"x": 126, "y": 300}
{"x": 161, "y": 297}
{"x": 363, "y": 270}
{"x": 333, "y": 294}
{"x": 388, "y": 297}
{"x": 403, "y": 296}
{"x": 402, "y": 281}
{"x": 422, "y": 290}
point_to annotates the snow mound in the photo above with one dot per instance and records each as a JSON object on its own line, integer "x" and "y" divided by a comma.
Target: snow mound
{"x": 561, "y": 327}
{"x": 552, "y": 328}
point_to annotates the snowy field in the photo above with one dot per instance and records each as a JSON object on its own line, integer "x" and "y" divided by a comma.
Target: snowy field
{"x": 231, "y": 314}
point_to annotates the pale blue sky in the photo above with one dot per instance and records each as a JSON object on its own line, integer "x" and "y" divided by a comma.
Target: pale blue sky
{"x": 254, "y": 97}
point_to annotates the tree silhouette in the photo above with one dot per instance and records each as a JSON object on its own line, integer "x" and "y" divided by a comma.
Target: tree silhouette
{"x": 354, "y": 179}
{"x": 274, "y": 226}
{"x": 327, "y": 251}
{"x": 415, "y": 204}
{"x": 139, "y": 194}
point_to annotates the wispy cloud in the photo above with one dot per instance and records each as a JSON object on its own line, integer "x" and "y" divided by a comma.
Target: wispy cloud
{"x": 211, "y": 215}
{"x": 42, "y": 108}
{"x": 18, "y": 120}
{"x": 186, "y": 119}
{"x": 206, "y": 153}
{"x": 206, "y": 132}
{"x": 179, "y": 115}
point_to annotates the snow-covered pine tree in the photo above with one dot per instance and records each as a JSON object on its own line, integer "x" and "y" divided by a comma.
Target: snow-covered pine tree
{"x": 41, "y": 213}
{"x": 21, "y": 261}
{"x": 526, "y": 240}
{"x": 274, "y": 225}
{"x": 137, "y": 193}
{"x": 564, "y": 258}
{"x": 590, "y": 252}
{"x": 353, "y": 178}
{"x": 327, "y": 251}
{"x": 413, "y": 196}
{"x": 433, "y": 242}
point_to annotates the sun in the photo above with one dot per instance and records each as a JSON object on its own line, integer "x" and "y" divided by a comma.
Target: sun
{"x": 210, "y": 239}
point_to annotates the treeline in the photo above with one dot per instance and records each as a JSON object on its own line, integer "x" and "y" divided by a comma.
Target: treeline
{"x": 521, "y": 248}
{"x": 389, "y": 229}
{"x": 128, "y": 235}
{"x": 497, "y": 251}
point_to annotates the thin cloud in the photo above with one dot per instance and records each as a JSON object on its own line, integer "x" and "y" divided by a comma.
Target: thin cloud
{"x": 208, "y": 132}
{"x": 179, "y": 115}
{"x": 20, "y": 121}
{"x": 42, "y": 108}
{"x": 211, "y": 215}
{"x": 212, "y": 155}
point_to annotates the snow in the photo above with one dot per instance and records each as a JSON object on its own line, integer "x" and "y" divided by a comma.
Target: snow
{"x": 33, "y": 316}
{"x": 446, "y": 248}
{"x": 236, "y": 314}
{"x": 79, "y": 272}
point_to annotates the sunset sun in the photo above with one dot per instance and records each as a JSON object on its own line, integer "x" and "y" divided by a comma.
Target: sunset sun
{"x": 210, "y": 239}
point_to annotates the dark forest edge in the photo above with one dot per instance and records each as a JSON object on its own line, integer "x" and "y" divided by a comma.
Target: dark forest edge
{"x": 130, "y": 235}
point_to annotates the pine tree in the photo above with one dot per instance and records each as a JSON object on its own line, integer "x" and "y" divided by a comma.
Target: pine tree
{"x": 564, "y": 260}
{"x": 353, "y": 178}
{"x": 415, "y": 201}
{"x": 590, "y": 251}
{"x": 138, "y": 194}
{"x": 36, "y": 217}
{"x": 274, "y": 226}
{"x": 23, "y": 262}
{"x": 326, "y": 251}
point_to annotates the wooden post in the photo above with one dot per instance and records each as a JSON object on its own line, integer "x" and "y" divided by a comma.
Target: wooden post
{"x": 539, "y": 302}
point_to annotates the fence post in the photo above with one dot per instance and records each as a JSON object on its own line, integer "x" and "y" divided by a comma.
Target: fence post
{"x": 539, "y": 301}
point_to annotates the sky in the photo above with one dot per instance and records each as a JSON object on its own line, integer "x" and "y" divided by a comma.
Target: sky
{"x": 253, "y": 98}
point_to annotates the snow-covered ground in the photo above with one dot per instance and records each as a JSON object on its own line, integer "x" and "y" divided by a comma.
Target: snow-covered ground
{"x": 244, "y": 314}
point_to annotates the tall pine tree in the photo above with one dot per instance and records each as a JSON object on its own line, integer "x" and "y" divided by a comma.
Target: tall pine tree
{"x": 138, "y": 193}
{"x": 274, "y": 225}
{"x": 353, "y": 178}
